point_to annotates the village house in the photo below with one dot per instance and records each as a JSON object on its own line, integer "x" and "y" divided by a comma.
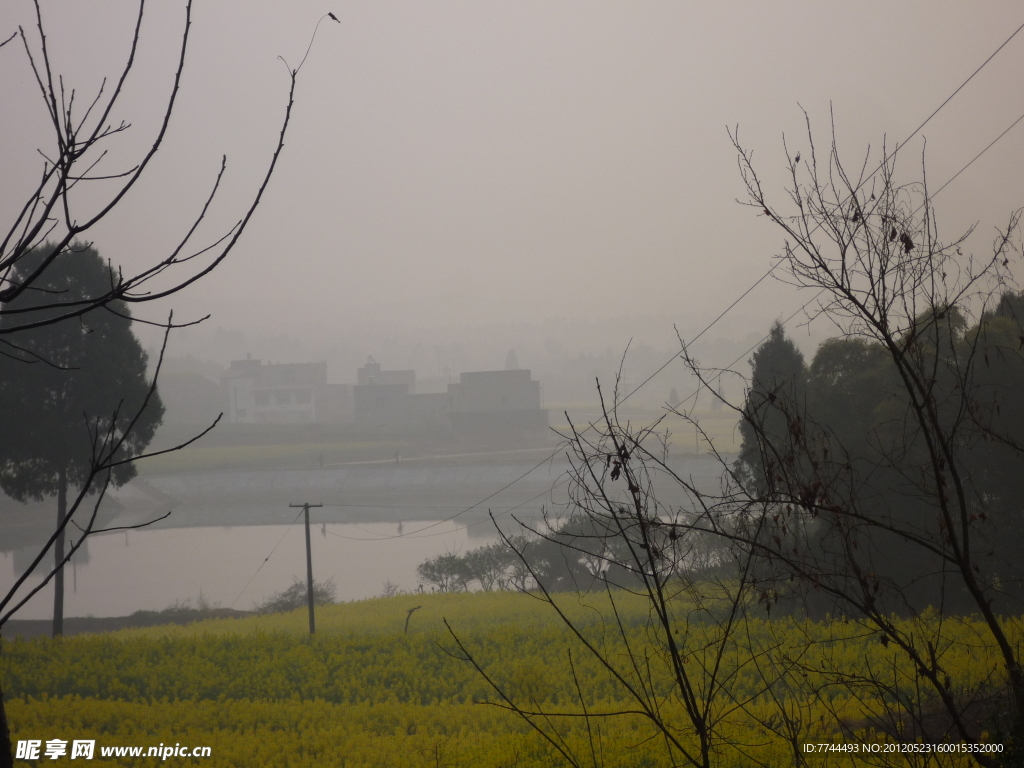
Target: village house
{"x": 282, "y": 393}
{"x": 481, "y": 402}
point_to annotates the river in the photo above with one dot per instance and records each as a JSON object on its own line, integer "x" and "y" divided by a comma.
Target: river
{"x": 238, "y": 567}
{"x": 232, "y": 539}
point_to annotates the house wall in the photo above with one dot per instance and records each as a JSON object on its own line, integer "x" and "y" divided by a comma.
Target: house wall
{"x": 379, "y": 403}
{"x": 495, "y": 391}
{"x": 481, "y": 402}
{"x": 292, "y": 393}
{"x": 371, "y": 373}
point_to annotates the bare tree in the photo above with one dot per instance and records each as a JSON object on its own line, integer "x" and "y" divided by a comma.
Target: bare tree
{"x": 675, "y": 670}
{"x": 61, "y": 208}
{"x": 877, "y": 508}
{"x": 876, "y": 501}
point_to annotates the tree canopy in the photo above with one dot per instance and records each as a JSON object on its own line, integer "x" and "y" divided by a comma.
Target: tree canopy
{"x": 838, "y": 433}
{"x": 778, "y": 378}
{"x": 75, "y": 403}
{"x": 71, "y": 388}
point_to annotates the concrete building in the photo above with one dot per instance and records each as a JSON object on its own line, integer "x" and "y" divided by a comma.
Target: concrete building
{"x": 371, "y": 373}
{"x": 496, "y": 401}
{"x": 389, "y": 398}
{"x": 481, "y": 402}
{"x": 286, "y": 393}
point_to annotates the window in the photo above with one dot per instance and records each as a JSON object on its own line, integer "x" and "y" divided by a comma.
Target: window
{"x": 304, "y": 396}
{"x": 261, "y": 398}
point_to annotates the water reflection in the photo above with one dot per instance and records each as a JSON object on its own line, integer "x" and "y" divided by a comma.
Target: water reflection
{"x": 237, "y": 567}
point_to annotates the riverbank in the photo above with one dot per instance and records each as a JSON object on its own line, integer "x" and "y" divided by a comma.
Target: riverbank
{"x": 80, "y": 625}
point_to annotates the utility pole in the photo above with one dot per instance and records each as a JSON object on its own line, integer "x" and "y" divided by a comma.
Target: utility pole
{"x": 309, "y": 565}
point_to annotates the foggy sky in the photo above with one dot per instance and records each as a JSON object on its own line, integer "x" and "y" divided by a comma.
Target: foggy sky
{"x": 464, "y": 165}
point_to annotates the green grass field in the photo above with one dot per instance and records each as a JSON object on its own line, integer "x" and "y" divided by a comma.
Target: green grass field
{"x": 283, "y": 455}
{"x": 254, "y": 447}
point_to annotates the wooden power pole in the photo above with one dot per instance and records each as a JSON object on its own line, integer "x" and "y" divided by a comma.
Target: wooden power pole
{"x": 309, "y": 565}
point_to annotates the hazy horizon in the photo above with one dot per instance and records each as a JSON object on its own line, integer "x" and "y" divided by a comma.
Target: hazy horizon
{"x": 488, "y": 168}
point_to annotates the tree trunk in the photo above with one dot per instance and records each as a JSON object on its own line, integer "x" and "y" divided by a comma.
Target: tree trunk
{"x": 58, "y": 555}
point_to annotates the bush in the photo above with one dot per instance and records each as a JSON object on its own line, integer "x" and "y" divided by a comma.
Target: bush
{"x": 294, "y": 597}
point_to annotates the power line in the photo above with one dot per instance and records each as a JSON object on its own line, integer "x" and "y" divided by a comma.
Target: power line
{"x": 396, "y": 506}
{"x": 747, "y": 292}
{"x": 286, "y": 530}
{"x": 761, "y": 279}
{"x": 705, "y": 330}
{"x": 816, "y": 295}
{"x": 964, "y": 83}
{"x": 413, "y": 534}
{"x": 861, "y": 184}
{"x": 482, "y": 501}
{"x": 986, "y": 149}
{"x": 563, "y": 480}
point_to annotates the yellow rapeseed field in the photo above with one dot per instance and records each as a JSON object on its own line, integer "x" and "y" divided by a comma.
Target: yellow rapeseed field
{"x": 362, "y": 692}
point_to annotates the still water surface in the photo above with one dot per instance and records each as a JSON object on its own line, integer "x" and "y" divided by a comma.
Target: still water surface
{"x": 128, "y": 571}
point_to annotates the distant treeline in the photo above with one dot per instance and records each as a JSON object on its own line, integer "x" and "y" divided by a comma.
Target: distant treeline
{"x": 579, "y": 554}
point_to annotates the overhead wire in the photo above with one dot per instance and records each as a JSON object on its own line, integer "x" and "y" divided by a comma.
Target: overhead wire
{"x": 871, "y": 175}
{"x": 816, "y": 295}
{"x": 550, "y": 457}
{"x": 563, "y": 480}
{"x": 505, "y": 511}
{"x": 419, "y": 532}
{"x": 413, "y": 534}
{"x": 715, "y": 321}
{"x": 266, "y": 559}
{"x": 986, "y": 149}
{"x": 416, "y": 507}
{"x": 761, "y": 279}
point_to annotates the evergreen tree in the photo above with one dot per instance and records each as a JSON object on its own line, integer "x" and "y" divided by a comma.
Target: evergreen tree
{"x": 995, "y": 456}
{"x": 775, "y": 398}
{"x": 839, "y": 436}
{"x": 71, "y": 390}
{"x": 674, "y": 401}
